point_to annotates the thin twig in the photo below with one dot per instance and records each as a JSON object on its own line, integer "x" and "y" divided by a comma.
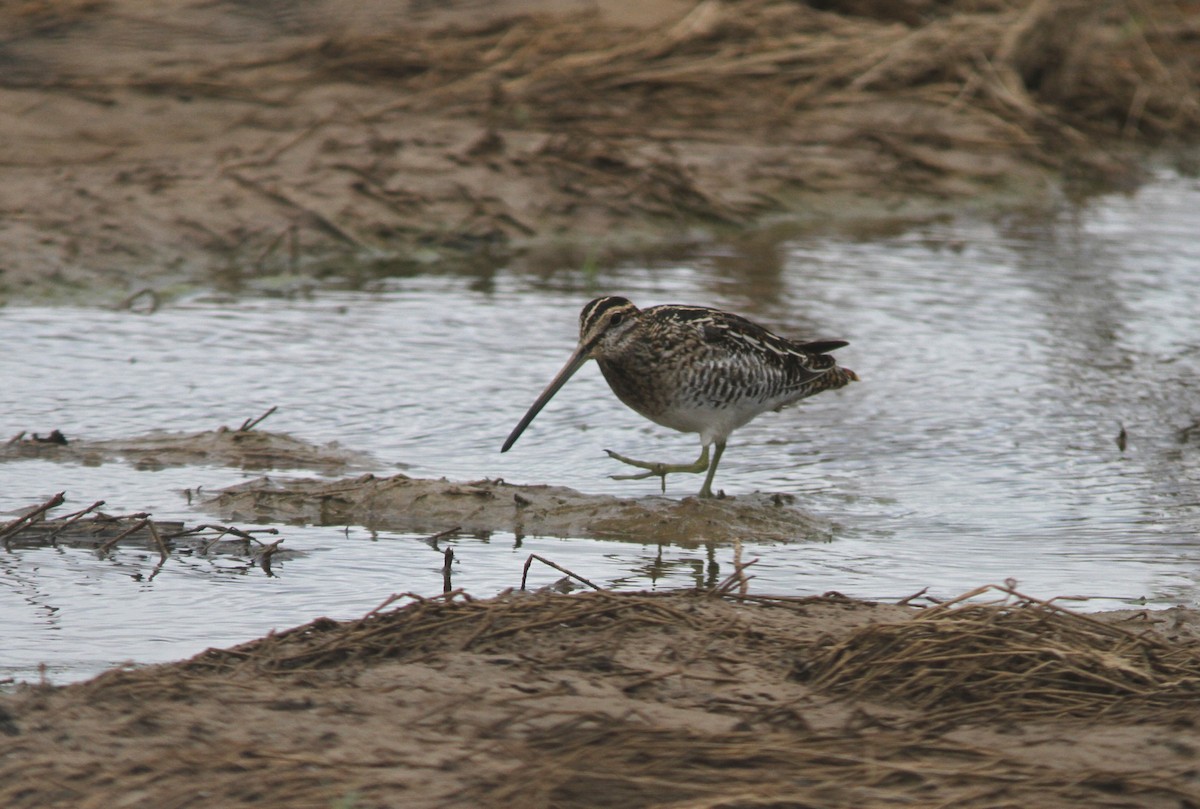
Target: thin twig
{"x": 250, "y": 424}
{"x": 145, "y": 292}
{"x": 904, "y": 602}
{"x": 158, "y": 540}
{"x": 557, "y": 567}
{"x": 25, "y": 519}
{"x": 732, "y": 580}
{"x": 432, "y": 541}
{"x": 139, "y": 525}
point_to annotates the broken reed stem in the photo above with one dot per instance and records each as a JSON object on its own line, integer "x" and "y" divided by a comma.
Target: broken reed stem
{"x": 24, "y": 520}
{"x": 387, "y": 602}
{"x": 737, "y": 578}
{"x": 246, "y": 535}
{"x": 108, "y": 546}
{"x": 1009, "y": 590}
{"x": 737, "y": 561}
{"x": 250, "y": 424}
{"x": 145, "y": 292}
{"x": 559, "y": 568}
{"x": 446, "y": 567}
{"x": 432, "y": 540}
{"x": 163, "y": 552}
{"x": 268, "y": 551}
{"x": 907, "y": 600}
{"x": 318, "y": 220}
{"x": 71, "y": 519}
{"x": 448, "y": 597}
{"x": 187, "y": 532}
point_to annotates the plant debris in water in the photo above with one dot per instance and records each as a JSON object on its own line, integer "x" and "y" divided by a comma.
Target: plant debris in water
{"x": 93, "y": 529}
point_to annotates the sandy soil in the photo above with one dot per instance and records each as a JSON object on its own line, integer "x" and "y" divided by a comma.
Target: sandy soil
{"x": 272, "y": 146}
{"x": 602, "y": 699}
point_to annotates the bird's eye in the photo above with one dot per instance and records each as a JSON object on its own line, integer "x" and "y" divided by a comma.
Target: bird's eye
{"x": 615, "y": 319}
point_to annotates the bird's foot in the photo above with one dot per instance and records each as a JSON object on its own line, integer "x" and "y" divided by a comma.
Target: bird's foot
{"x": 660, "y": 470}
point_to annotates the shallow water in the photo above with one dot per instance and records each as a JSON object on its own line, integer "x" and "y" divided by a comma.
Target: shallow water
{"x": 999, "y": 362}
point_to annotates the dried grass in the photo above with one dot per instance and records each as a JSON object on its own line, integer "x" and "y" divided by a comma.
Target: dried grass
{"x": 1049, "y": 69}
{"x": 428, "y": 625}
{"x": 721, "y": 116}
{"x": 961, "y": 662}
{"x": 1019, "y": 659}
{"x": 95, "y": 530}
{"x": 657, "y": 742}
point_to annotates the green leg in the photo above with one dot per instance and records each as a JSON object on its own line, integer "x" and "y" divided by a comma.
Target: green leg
{"x": 663, "y": 469}
{"x": 706, "y": 489}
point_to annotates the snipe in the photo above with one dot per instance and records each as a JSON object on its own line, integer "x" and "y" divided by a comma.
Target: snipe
{"x": 693, "y": 369}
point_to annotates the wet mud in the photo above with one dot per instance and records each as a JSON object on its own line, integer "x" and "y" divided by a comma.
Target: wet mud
{"x": 240, "y": 448}
{"x": 605, "y": 699}
{"x": 148, "y": 152}
{"x": 405, "y": 504}
{"x": 401, "y": 503}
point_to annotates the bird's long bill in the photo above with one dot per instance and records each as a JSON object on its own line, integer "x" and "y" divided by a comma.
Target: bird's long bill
{"x": 573, "y": 364}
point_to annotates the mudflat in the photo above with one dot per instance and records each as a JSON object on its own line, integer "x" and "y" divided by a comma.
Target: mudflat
{"x": 154, "y": 149}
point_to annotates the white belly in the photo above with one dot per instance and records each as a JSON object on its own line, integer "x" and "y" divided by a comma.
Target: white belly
{"x": 713, "y": 424}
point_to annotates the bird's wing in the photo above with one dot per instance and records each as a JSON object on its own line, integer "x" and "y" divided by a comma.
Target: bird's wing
{"x": 802, "y": 361}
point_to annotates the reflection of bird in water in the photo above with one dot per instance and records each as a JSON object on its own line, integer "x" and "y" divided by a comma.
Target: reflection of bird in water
{"x": 693, "y": 369}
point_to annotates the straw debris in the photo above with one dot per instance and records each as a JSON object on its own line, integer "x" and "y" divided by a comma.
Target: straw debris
{"x": 673, "y": 700}
{"x": 1037, "y": 73}
{"x": 103, "y": 533}
{"x": 1023, "y": 658}
{"x": 428, "y": 624}
{"x": 499, "y": 130}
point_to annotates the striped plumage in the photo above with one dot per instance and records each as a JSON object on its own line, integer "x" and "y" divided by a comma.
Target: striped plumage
{"x": 693, "y": 369}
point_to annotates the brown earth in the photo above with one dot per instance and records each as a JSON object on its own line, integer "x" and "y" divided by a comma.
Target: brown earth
{"x": 674, "y": 700}
{"x": 242, "y": 448}
{"x": 401, "y": 503}
{"x": 273, "y": 145}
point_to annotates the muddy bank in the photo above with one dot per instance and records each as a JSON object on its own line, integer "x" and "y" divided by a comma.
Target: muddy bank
{"x": 401, "y": 503}
{"x": 605, "y": 699}
{"x": 223, "y": 144}
{"x": 415, "y": 505}
{"x": 237, "y": 447}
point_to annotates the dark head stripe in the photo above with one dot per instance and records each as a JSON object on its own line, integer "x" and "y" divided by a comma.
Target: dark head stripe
{"x": 594, "y": 310}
